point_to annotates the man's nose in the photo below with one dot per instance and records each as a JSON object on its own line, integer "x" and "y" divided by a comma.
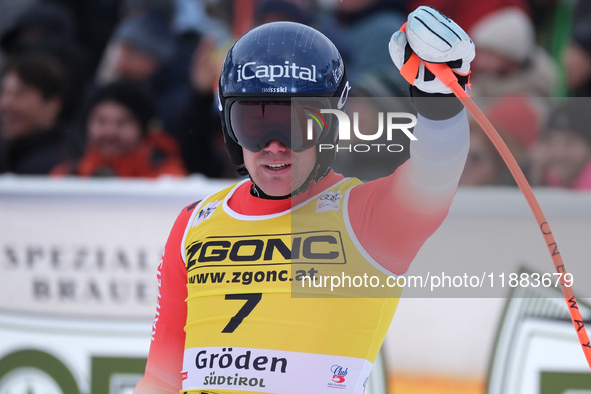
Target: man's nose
{"x": 276, "y": 146}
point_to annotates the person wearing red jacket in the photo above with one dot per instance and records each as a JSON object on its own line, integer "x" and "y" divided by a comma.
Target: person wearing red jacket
{"x": 121, "y": 139}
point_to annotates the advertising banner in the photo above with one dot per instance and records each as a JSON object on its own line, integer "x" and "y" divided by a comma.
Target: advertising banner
{"x": 78, "y": 287}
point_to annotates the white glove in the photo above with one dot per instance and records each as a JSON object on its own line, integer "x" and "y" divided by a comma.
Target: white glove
{"x": 435, "y": 39}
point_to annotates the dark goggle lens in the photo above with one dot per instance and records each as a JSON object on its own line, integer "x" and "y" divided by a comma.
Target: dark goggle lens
{"x": 256, "y": 123}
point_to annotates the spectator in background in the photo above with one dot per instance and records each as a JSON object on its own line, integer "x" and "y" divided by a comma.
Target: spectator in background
{"x": 360, "y": 30}
{"x": 144, "y": 49}
{"x": 140, "y": 46}
{"x": 43, "y": 23}
{"x": 518, "y": 121}
{"x": 34, "y": 88}
{"x": 147, "y": 49}
{"x": 50, "y": 27}
{"x": 94, "y": 23}
{"x": 563, "y": 156}
{"x": 577, "y": 57}
{"x": 121, "y": 139}
{"x": 201, "y": 141}
{"x": 508, "y": 60}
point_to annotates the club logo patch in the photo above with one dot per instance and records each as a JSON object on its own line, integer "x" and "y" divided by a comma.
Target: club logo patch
{"x": 338, "y": 377}
{"x": 329, "y": 201}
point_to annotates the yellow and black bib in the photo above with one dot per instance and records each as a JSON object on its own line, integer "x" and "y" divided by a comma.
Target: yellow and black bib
{"x": 264, "y": 315}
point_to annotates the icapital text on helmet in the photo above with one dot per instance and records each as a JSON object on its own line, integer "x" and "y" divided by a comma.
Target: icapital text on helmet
{"x": 271, "y": 72}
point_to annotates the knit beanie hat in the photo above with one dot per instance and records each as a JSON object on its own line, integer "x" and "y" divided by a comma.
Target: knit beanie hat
{"x": 42, "y": 21}
{"x": 149, "y": 33}
{"x": 518, "y": 117}
{"x": 508, "y": 32}
{"x": 132, "y": 96}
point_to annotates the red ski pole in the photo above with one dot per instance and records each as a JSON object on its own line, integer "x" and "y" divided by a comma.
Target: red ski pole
{"x": 445, "y": 74}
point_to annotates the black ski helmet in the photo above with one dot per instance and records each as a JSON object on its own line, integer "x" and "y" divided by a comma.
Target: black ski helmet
{"x": 275, "y": 62}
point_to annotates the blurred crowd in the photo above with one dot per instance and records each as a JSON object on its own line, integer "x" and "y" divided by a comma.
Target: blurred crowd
{"x": 127, "y": 88}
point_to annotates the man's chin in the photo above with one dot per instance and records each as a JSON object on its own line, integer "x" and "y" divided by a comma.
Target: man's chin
{"x": 277, "y": 187}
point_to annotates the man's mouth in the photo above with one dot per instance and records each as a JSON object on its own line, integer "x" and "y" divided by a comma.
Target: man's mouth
{"x": 277, "y": 167}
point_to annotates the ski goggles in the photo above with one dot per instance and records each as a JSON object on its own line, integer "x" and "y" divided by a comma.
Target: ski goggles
{"x": 253, "y": 123}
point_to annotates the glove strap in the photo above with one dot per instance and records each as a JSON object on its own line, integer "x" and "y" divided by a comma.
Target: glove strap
{"x": 443, "y": 72}
{"x": 410, "y": 69}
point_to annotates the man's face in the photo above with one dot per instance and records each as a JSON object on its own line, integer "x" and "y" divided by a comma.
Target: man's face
{"x": 112, "y": 129}
{"x": 23, "y": 109}
{"x": 277, "y": 170}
